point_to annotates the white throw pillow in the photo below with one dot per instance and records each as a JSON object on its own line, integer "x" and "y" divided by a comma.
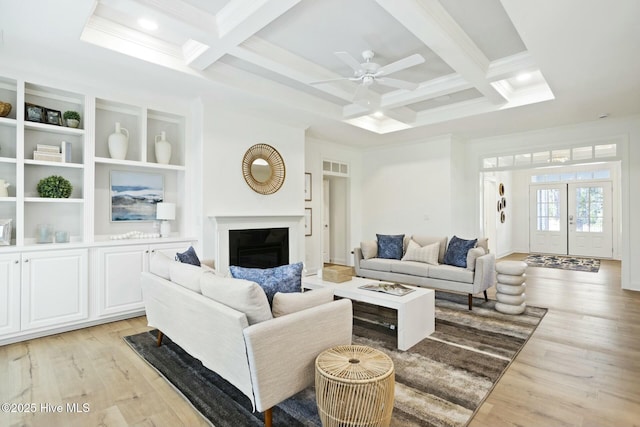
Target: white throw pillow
{"x": 427, "y": 254}
{"x": 369, "y": 249}
{"x": 290, "y": 302}
{"x": 159, "y": 265}
{"x": 242, "y": 295}
{"x": 472, "y": 255}
{"x": 186, "y": 275}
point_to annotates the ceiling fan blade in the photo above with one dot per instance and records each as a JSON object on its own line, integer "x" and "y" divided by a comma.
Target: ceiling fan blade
{"x": 400, "y": 84}
{"x": 407, "y": 62}
{"x": 350, "y": 61}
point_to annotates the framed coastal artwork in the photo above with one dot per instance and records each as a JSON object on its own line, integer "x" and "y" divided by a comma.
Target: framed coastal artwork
{"x": 134, "y": 195}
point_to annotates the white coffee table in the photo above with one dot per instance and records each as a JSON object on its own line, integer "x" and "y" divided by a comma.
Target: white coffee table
{"x": 416, "y": 310}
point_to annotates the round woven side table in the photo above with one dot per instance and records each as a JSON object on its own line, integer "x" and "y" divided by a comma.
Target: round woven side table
{"x": 354, "y": 386}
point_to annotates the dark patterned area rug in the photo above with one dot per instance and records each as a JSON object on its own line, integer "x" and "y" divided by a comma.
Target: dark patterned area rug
{"x": 441, "y": 381}
{"x": 591, "y": 265}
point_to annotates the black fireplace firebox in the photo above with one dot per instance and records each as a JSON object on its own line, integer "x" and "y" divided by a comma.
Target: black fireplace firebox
{"x": 259, "y": 247}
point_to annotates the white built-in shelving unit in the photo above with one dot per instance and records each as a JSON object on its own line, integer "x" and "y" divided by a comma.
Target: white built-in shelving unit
{"x": 47, "y": 288}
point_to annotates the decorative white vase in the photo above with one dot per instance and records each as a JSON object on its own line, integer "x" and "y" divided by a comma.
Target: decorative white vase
{"x": 118, "y": 143}
{"x": 3, "y": 188}
{"x": 163, "y": 149}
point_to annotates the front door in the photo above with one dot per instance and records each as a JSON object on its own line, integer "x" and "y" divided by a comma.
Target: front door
{"x": 590, "y": 219}
{"x": 572, "y": 219}
{"x": 548, "y": 219}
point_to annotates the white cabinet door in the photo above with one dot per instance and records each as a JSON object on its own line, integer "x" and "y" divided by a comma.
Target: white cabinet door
{"x": 118, "y": 278}
{"x": 9, "y": 293}
{"x": 118, "y": 275}
{"x": 54, "y": 288}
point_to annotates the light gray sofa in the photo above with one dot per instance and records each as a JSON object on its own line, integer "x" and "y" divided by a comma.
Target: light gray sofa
{"x": 477, "y": 277}
{"x": 269, "y": 359}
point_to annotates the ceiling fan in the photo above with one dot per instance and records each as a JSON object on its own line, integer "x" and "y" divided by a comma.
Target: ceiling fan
{"x": 368, "y": 72}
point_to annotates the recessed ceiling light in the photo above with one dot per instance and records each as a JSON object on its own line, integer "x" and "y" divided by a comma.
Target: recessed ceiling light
{"x": 523, "y": 77}
{"x": 147, "y": 24}
{"x": 378, "y": 114}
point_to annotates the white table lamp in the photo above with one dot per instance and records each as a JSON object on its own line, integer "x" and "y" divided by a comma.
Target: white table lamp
{"x": 165, "y": 212}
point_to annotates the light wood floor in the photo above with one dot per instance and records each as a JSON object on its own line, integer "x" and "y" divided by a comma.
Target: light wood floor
{"x": 580, "y": 368}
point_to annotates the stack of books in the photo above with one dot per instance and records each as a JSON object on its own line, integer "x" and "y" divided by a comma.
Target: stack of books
{"x": 51, "y": 153}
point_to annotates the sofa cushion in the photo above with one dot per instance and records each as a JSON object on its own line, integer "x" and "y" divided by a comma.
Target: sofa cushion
{"x": 457, "y": 250}
{"x": 472, "y": 255}
{"x": 427, "y": 240}
{"x": 285, "y": 278}
{"x": 449, "y": 272}
{"x": 242, "y": 295}
{"x": 427, "y": 254}
{"x": 390, "y": 246}
{"x": 413, "y": 268}
{"x": 159, "y": 264}
{"x": 287, "y": 303}
{"x": 369, "y": 249}
{"x": 377, "y": 264}
{"x": 186, "y": 275}
{"x": 188, "y": 257}
{"x": 483, "y": 242}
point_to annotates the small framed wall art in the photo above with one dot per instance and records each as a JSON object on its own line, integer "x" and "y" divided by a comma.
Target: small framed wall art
{"x": 307, "y": 187}
{"x": 307, "y": 222}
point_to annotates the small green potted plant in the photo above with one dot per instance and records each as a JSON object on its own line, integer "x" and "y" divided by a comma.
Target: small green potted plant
{"x": 55, "y": 186}
{"x": 72, "y": 118}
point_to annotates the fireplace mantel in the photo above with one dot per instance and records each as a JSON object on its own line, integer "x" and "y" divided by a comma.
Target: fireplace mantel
{"x": 226, "y": 222}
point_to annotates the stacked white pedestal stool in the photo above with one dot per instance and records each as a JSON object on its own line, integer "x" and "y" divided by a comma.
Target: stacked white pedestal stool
{"x": 510, "y": 287}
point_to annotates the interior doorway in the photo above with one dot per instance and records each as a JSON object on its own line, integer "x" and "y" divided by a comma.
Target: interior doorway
{"x": 572, "y": 218}
{"x": 335, "y": 223}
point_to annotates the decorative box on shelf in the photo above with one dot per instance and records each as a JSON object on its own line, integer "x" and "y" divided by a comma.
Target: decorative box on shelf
{"x": 337, "y": 273}
{"x": 47, "y": 157}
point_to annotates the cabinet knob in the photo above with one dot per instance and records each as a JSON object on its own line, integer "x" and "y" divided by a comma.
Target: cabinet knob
{"x": 147, "y": 251}
{"x": 153, "y": 251}
{"x": 16, "y": 261}
{"x": 26, "y": 260}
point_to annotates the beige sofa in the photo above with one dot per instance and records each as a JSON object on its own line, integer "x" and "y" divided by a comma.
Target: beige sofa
{"x": 267, "y": 358}
{"x": 478, "y": 276}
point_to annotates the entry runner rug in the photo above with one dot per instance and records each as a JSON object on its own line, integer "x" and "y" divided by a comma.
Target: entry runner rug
{"x": 441, "y": 381}
{"x": 591, "y": 265}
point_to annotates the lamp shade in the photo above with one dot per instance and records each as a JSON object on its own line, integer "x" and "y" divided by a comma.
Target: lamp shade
{"x": 166, "y": 211}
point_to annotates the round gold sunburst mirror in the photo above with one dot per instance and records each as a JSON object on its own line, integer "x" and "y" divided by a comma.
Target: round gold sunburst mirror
{"x": 263, "y": 169}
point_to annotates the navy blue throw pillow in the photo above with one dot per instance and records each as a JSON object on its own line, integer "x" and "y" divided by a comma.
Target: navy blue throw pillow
{"x": 188, "y": 257}
{"x": 390, "y": 246}
{"x": 286, "y": 278}
{"x": 457, "y": 251}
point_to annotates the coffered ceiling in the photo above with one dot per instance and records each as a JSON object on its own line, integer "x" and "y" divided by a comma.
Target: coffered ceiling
{"x": 480, "y": 66}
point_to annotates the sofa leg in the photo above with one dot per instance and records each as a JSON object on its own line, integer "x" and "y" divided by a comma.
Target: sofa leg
{"x": 486, "y": 298}
{"x": 267, "y": 417}
{"x": 470, "y": 302}
{"x": 159, "y": 341}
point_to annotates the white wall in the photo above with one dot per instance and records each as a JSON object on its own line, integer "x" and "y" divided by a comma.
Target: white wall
{"x": 416, "y": 188}
{"x": 226, "y": 136}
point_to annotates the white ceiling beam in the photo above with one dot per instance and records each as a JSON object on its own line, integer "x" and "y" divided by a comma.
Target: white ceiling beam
{"x": 511, "y": 66}
{"x": 236, "y": 22}
{"x": 268, "y": 89}
{"x": 273, "y": 58}
{"x": 427, "y": 90}
{"x": 432, "y": 25}
{"x": 122, "y": 39}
